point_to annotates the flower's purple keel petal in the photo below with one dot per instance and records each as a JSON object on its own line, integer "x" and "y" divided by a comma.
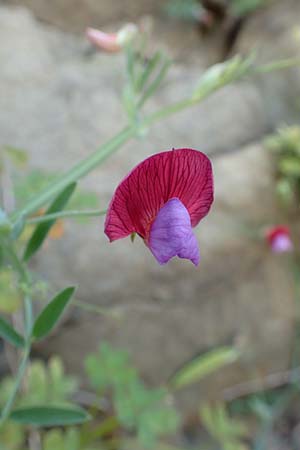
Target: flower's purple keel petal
{"x": 171, "y": 234}
{"x": 282, "y": 243}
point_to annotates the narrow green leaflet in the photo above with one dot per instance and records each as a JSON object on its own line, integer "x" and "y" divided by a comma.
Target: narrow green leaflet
{"x": 41, "y": 231}
{"x": 44, "y": 416}
{"x": 46, "y": 321}
{"x": 202, "y": 366}
{"x": 8, "y": 333}
{"x": 5, "y": 225}
{"x": 154, "y": 85}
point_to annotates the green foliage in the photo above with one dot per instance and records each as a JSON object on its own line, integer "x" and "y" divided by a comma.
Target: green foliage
{"x": 285, "y": 145}
{"x": 12, "y": 436}
{"x": 138, "y": 408}
{"x": 36, "y": 180}
{"x": 203, "y": 366}
{"x": 57, "y": 439}
{"x": 221, "y": 74}
{"x": 50, "y": 315}
{"x": 228, "y": 432}
{"x": 46, "y": 384}
{"x": 244, "y": 7}
{"x": 42, "y": 230}
{"x": 5, "y": 225}
{"x": 10, "y": 298}
{"x": 144, "y": 77}
{"x": 65, "y": 440}
{"x": 49, "y": 416}
{"x": 189, "y": 10}
{"x": 8, "y": 333}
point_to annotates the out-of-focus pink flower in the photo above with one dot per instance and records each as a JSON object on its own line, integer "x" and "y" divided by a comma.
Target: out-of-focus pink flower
{"x": 279, "y": 239}
{"x": 112, "y": 42}
{"x": 161, "y": 200}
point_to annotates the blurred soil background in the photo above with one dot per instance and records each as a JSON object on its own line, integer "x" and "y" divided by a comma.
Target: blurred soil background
{"x": 59, "y": 102}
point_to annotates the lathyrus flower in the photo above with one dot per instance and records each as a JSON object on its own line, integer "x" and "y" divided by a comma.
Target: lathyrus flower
{"x": 279, "y": 239}
{"x": 161, "y": 200}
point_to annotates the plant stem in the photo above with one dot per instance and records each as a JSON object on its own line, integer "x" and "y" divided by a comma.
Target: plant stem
{"x": 278, "y": 65}
{"x": 88, "y": 307}
{"x": 170, "y": 110}
{"x": 66, "y": 214}
{"x": 28, "y": 321}
{"x": 77, "y": 172}
{"x": 28, "y": 316}
{"x": 20, "y": 374}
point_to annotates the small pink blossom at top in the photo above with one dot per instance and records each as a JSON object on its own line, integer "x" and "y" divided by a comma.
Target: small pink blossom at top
{"x": 161, "y": 200}
{"x": 112, "y": 42}
{"x": 279, "y": 239}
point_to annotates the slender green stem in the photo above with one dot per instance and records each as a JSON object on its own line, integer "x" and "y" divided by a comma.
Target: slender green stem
{"x": 88, "y": 307}
{"x": 278, "y": 65}
{"x": 18, "y": 380}
{"x": 66, "y": 214}
{"x": 169, "y": 110}
{"x": 75, "y": 173}
{"x": 28, "y": 321}
{"x": 28, "y": 316}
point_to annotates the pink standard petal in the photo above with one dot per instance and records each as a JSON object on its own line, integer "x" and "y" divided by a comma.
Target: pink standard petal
{"x": 185, "y": 174}
{"x": 171, "y": 234}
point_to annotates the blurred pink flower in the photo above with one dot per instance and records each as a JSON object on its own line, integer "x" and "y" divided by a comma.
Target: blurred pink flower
{"x": 279, "y": 239}
{"x": 161, "y": 200}
{"x": 112, "y": 42}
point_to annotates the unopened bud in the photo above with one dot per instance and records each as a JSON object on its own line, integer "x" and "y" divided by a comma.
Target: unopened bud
{"x": 112, "y": 42}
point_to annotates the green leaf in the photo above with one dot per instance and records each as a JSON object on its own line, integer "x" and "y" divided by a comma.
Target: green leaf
{"x": 8, "y": 333}
{"x": 148, "y": 70}
{"x": 154, "y": 85}
{"x": 188, "y": 10}
{"x": 44, "y": 416}
{"x": 243, "y": 7}
{"x": 41, "y": 231}
{"x": 46, "y": 321}
{"x": 202, "y": 366}
{"x": 290, "y": 166}
{"x": 228, "y": 431}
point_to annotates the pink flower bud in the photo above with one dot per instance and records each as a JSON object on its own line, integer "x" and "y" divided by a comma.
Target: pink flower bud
{"x": 279, "y": 239}
{"x": 104, "y": 41}
{"x": 112, "y": 42}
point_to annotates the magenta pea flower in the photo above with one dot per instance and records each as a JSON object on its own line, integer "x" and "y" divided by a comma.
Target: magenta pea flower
{"x": 279, "y": 239}
{"x": 162, "y": 199}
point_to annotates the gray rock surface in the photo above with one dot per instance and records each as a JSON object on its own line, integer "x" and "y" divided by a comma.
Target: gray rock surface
{"x": 274, "y": 33}
{"x": 75, "y": 15}
{"x": 60, "y": 102}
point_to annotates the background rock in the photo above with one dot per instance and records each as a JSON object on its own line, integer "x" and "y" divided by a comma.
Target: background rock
{"x": 274, "y": 33}
{"x": 76, "y": 15}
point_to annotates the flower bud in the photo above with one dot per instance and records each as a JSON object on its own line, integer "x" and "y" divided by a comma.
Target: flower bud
{"x": 279, "y": 239}
{"x": 221, "y": 74}
{"x": 112, "y": 42}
